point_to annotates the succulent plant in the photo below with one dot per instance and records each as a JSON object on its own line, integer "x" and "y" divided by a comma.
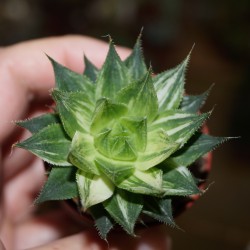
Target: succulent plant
{"x": 120, "y": 140}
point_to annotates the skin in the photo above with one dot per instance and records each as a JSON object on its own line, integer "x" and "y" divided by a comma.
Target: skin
{"x": 26, "y": 76}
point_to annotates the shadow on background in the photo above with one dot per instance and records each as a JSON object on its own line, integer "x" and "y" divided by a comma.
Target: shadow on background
{"x": 221, "y": 32}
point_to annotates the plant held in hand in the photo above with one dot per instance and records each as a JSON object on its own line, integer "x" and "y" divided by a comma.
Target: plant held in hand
{"x": 120, "y": 140}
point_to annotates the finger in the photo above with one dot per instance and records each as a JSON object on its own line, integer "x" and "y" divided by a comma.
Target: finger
{"x": 1, "y": 246}
{"x": 149, "y": 239}
{"x": 87, "y": 240}
{"x": 44, "y": 228}
{"x": 6, "y": 233}
{"x": 152, "y": 238}
{"x": 26, "y": 71}
{"x": 20, "y": 192}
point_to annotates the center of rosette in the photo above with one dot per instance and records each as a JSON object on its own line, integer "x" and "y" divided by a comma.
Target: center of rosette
{"x": 116, "y": 134}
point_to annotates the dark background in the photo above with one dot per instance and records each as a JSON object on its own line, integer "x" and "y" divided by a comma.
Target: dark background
{"x": 221, "y": 33}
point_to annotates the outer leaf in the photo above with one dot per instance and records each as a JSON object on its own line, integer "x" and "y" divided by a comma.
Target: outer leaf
{"x": 103, "y": 221}
{"x": 144, "y": 182}
{"x": 135, "y": 62}
{"x": 124, "y": 208}
{"x": 178, "y": 125}
{"x": 35, "y": 124}
{"x": 93, "y": 189}
{"x": 140, "y": 97}
{"x": 90, "y": 70}
{"x": 169, "y": 86}
{"x": 180, "y": 182}
{"x": 67, "y": 80}
{"x": 159, "y": 147}
{"x": 193, "y": 103}
{"x": 75, "y": 110}
{"x": 82, "y": 153}
{"x": 197, "y": 146}
{"x": 113, "y": 75}
{"x": 106, "y": 112}
{"x": 159, "y": 209}
{"x": 61, "y": 185}
{"x": 50, "y": 144}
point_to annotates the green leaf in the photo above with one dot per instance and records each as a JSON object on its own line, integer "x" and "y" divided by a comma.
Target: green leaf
{"x": 159, "y": 147}
{"x": 35, "y": 124}
{"x": 178, "y": 125}
{"x": 50, "y": 144}
{"x": 75, "y": 110}
{"x": 180, "y": 182}
{"x": 169, "y": 86}
{"x": 144, "y": 182}
{"x": 193, "y": 103}
{"x": 116, "y": 171}
{"x": 140, "y": 97}
{"x": 159, "y": 209}
{"x": 103, "y": 221}
{"x": 117, "y": 147}
{"x": 125, "y": 208}
{"x": 67, "y": 80}
{"x": 93, "y": 189}
{"x": 197, "y": 146}
{"x": 82, "y": 153}
{"x": 113, "y": 75}
{"x": 135, "y": 62}
{"x": 90, "y": 70}
{"x": 137, "y": 127}
{"x": 61, "y": 185}
{"x": 105, "y": 114}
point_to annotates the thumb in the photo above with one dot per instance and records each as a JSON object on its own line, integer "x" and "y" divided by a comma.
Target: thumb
{"x": 2, "y": 246}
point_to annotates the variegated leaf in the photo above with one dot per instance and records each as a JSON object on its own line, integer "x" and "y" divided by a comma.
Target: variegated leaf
{"x": 75, "y": 110}
{"x": 140, "y": 97}
{"x": 178, "y": 125}
{"x": 160, "y": 209}
{"x": 68, "y": 80}
{"x": 135, "y": 62}
{"x": 197, "y": 146}
{"x": 125, "y": 209}
{"x": 137, "y": 127}
{"x": 193, "y": 103}
{"x": 180, "y": 182}
{"x": 169, "y": 86}
{"x": 90, "y": 70}
{"x": 117, "y": 147}
{"x": 35, "y": 124}
{"x": 159, "y": 147}
{"x": 144, "y": 182}
{"x": 50, "y": 144}
{"x": 61, "y": 185}
{"x": 82, "y": 153}
{"x": 106, "y": 112}
{"x": 103, "y": 220}
{"x": 112, "y": 77}
{"x": 93, "y": 189}
{"x": 116, "y": 171}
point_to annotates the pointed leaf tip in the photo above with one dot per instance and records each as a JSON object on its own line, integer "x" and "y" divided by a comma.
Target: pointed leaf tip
{"x": 50, "y": 144}
{"x": 125, "y": 209}
{"x": 169, "y": 86}
{"x": 113, "y": 76}
{"x": 141, "y": 98}
{"x": 91, "y": 71}
{"x": 62, "y": 181}
{"x": 135, "y": 62}
{"x": 68, "y": 80}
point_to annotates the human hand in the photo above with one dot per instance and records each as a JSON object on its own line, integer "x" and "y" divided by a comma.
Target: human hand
{"x": 25, "y": 78}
